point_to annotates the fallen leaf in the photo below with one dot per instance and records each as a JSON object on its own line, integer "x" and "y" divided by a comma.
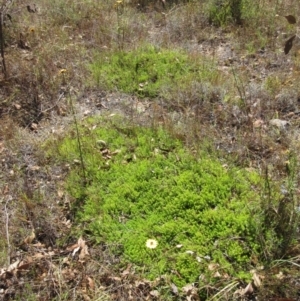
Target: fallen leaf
{"x": 174, "y": 289}
{"x": 30, "y": 238}
{"x": 279, "y": 123}
{"x": 256, "y": 280}
{"x": 34, "y": 126}
{"x": 105, "y": 151}
{"x": 191, "y": 292}
{"x": 258, "y": 123}
{"x": 38, "y": 255}
{"x": 24, "y": 266}
{"x": 67, "y": 223}
{"x": 14, "y": 265}
{"x": 289, "y": 44}
{"x": 31, "y": 8}
{"x": 5, "y": 190}
{"x": 243, "y": 291}
{"x": 60, "y": 193}
{"x": 213, "y": 266}
{"x": 28, "y": 259}
{"x": 84, "y": 248}
{"x": 154, "y": 293}
{"x": 248, "y": 289}
{"x": 84, "y": 252}
{"x": 217, "y": 275}
{"x": 279, "y": 275}
{"x": 71, "y": 248}
{"x": 91, "y": 283}
{"x": 188, "y": 288}
{"x": 291, "y": 19}
{"x": 127, "y": 271}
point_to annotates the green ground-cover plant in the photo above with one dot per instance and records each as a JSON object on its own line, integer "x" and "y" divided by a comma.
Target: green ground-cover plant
{"x": 144, "y": 184}
{"x": 148, "y": 71}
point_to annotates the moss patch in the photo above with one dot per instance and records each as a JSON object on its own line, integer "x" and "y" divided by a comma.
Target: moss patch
{"x": 144, "y": 184}
{"x": 150, "y": 71}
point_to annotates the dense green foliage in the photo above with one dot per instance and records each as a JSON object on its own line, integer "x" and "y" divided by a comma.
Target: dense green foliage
{"x": 144, "y": 184}
{"x": 149, "y": 71}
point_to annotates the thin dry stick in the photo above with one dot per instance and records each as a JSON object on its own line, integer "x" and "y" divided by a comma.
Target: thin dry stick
{"x": 3, "y": 11}
{"x": 225, "y": 290}
{"x": 2, "y": 45}
{"x": 7, "y": 231}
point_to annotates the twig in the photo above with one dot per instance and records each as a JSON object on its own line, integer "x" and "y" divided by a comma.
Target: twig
{"x": 3, "y": 11}
{"x": 2, "y": 45}
{"x": 225, "y": 290}
{"x": 7, "y": 231}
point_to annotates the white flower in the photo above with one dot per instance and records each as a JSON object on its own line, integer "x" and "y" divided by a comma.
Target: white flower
{"x": 151, "y": 243}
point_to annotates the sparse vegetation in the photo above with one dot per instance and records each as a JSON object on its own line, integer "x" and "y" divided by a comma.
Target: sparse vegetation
{"x": 207, "y": 98}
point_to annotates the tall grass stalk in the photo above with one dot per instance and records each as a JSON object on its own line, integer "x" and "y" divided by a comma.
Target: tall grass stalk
{"x": 79, "y": 144}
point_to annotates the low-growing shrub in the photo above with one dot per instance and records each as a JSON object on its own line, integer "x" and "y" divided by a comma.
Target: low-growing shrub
{"x": 222, "y": 12}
